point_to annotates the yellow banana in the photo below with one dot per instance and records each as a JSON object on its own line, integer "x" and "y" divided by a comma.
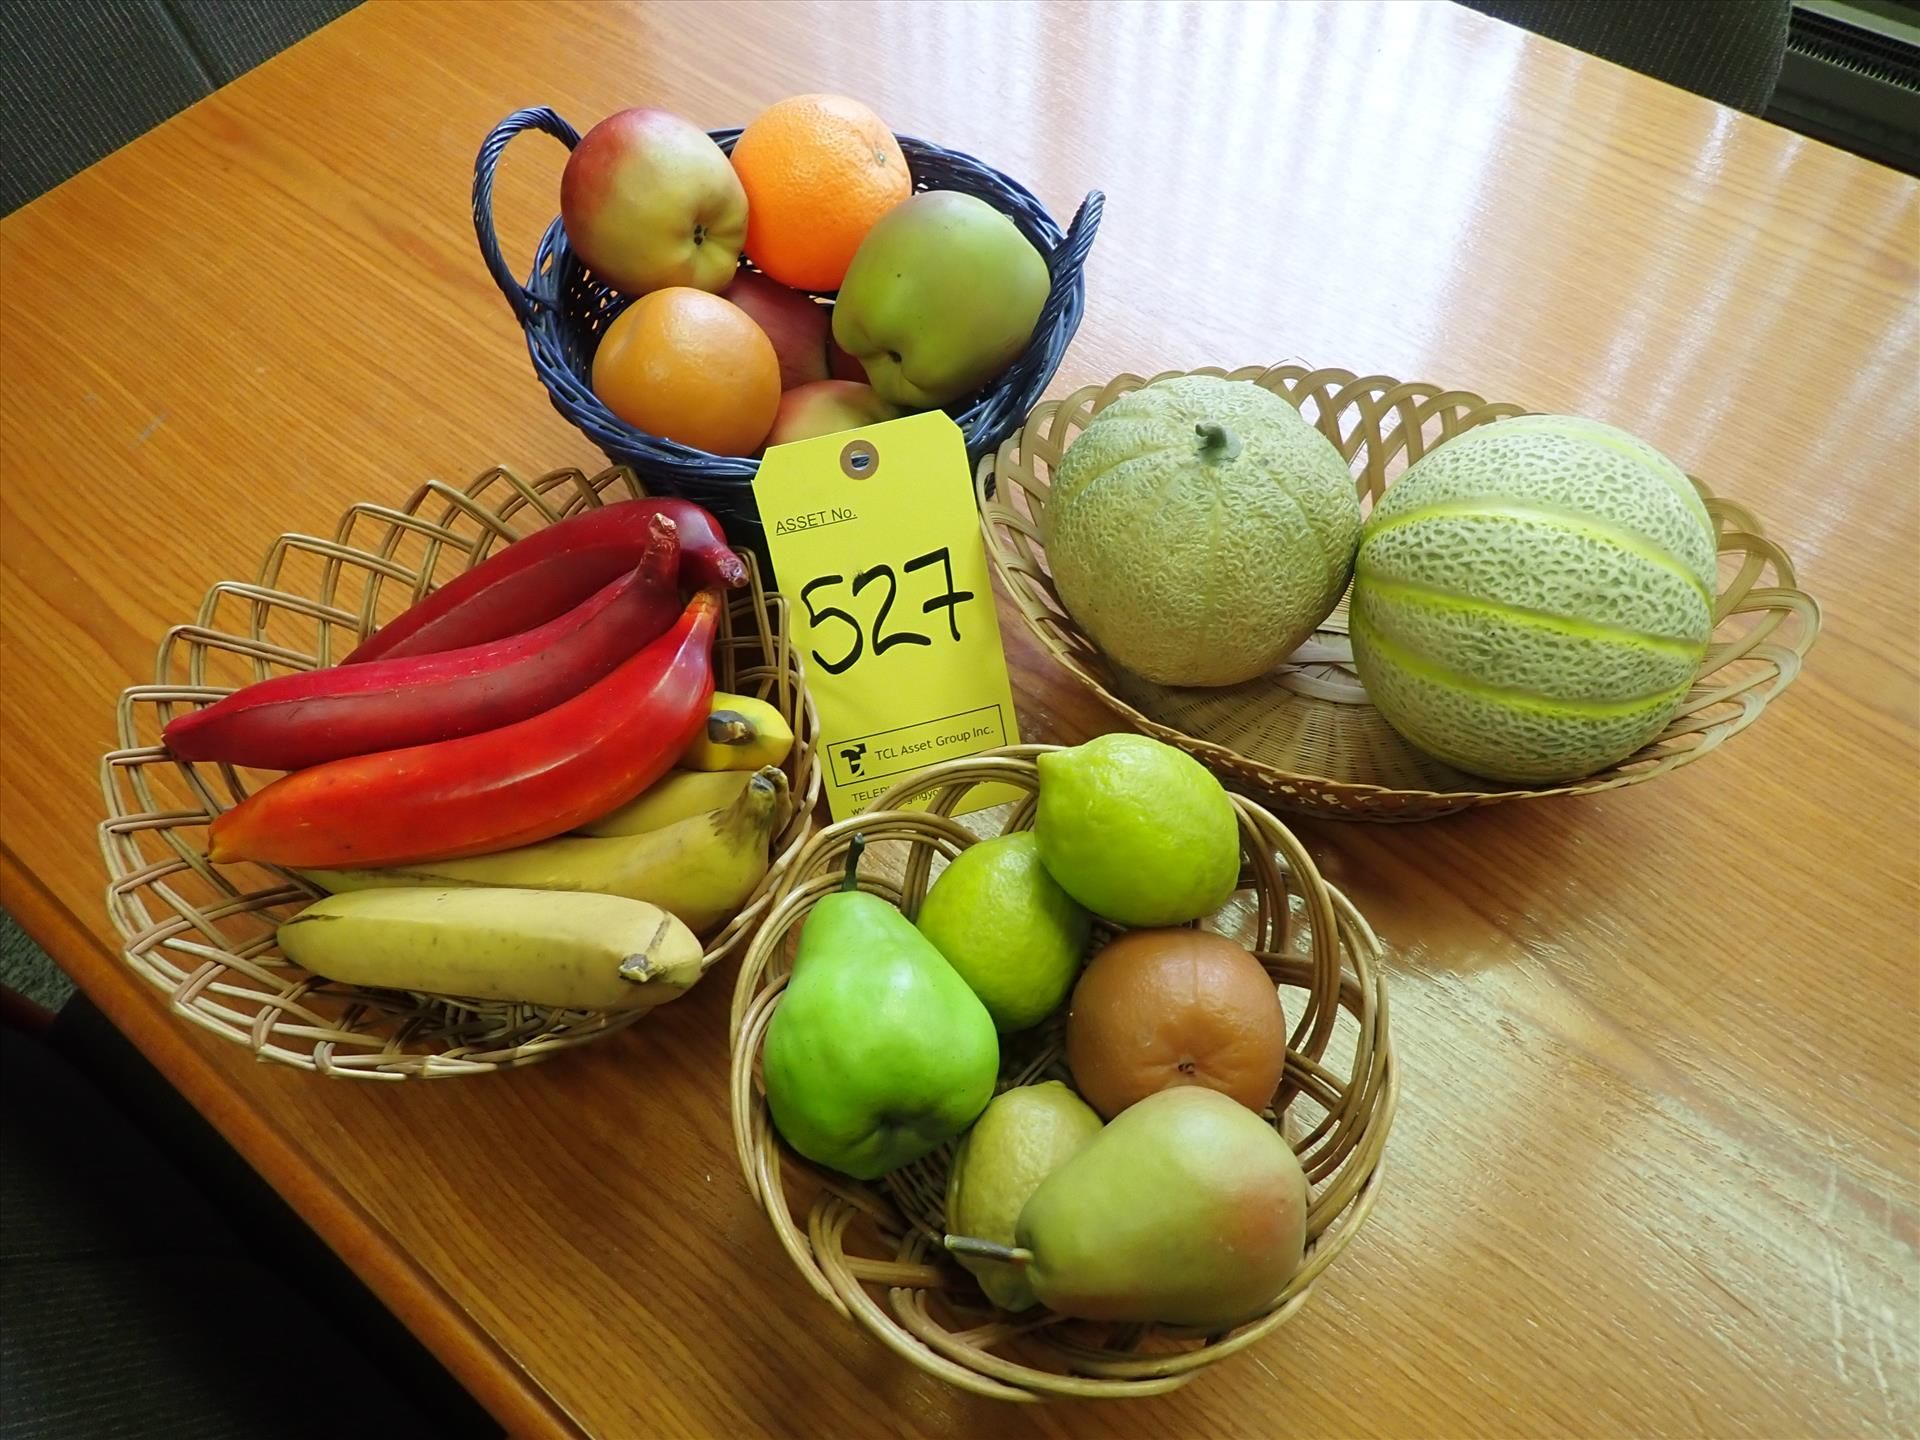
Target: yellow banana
{"x": 702, "y": 869}
{"x": 574, "y": 952}
{"x": 742, "y": 733}
{"x": 677, "y": 795}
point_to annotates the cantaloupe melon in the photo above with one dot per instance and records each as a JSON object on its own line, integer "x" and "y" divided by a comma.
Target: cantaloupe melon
{"x": 1199, "y": 529}
{"x": 1532, "y": 599}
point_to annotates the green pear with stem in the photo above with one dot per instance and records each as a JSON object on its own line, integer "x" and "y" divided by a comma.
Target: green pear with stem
{"x": 1187, "y": 1209}
{"x": 878, "y": 1052}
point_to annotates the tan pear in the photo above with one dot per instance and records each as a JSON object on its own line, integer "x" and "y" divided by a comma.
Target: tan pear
{"x": 1188, "y": 1209}
{"x": 1022, "y": 1137}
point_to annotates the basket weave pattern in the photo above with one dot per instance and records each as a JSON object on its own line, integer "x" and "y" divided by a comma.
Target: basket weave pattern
{"x": 563, "y": 309}
{"x": 874, "y": 1252}
{"x": 1304, "y": 736}
{"x": 205, "y": 933}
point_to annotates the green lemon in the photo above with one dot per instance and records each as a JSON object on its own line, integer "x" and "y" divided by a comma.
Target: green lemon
{"x": 1014, "y": 935}
{"x": 1022, "y": 1137}
{"x": 1137, "y": 831}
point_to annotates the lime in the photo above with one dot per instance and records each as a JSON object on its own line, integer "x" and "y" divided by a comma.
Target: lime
{"x": 1014, "y": 935}
{"x": 1137, "y": 831}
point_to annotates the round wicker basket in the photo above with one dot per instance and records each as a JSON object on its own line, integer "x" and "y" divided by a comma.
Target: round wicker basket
{"x": 874, "y": 1251}
{"x": 204, "y": 933}
{"x": 1304, "y": 736}
{"x": 563, "y": 309}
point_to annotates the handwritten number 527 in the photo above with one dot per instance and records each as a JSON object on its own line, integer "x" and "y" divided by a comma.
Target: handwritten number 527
{"x": 882, "y": 577}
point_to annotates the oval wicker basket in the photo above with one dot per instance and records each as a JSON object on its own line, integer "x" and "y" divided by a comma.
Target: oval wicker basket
{"x": 874, "y": 1251}
{"x": 1304, "y": 736}
{"x": 204, "y": 933}
{"x": 563, "y": 309}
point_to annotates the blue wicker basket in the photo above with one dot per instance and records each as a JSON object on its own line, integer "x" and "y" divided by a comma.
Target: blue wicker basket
{"x": 563, "y": 309}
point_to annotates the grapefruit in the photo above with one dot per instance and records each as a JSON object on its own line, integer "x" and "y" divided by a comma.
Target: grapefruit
{"x": 1159, "y": 1008}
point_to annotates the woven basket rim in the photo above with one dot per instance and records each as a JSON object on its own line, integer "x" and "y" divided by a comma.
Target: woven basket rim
{"x": 1342, "y": 1153}
{"x": 167, "y": 940}
{"x": 1336, "y": 390}
{"x": 543, "y": 304}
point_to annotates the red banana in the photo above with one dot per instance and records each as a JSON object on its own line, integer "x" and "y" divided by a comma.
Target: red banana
{"x": 497, "y": 789}
{"x": 550, "y": 572}
{"x": 293, "y": 721}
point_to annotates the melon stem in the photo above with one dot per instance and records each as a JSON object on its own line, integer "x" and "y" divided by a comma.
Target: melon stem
{"x": 1217, "y": 442}
{"x": 988, "y": 1250}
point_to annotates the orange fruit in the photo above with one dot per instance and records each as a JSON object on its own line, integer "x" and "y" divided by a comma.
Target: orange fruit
{"x": 688, "y": 366}
{"x": 818, "y": 171}
{"x": 1159, "y": 1008}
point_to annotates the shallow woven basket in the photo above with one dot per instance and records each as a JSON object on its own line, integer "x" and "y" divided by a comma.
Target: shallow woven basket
{"x": 1304, "y": 736}
{"x": 204, "y": 933}
{"x": 563, "y": 309}
{"x": 874, "y": 1251}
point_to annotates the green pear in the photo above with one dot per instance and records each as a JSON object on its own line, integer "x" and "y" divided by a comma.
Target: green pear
{"x": 877, "y": 1053}
{"x": 1020, "y": 1139}
{"x": 941, "y": 297}
{"x": 1188, "y": 1209}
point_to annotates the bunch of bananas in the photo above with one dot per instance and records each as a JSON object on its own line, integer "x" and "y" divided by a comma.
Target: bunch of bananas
{"x": 500, "y": 762}
{"x": 597, "y": 921}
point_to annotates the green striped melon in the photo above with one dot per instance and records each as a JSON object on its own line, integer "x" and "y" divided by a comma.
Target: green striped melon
{"x": 1532, "y": 599}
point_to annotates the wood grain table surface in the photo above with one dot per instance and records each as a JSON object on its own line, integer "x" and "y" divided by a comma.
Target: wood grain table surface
{"x": 1657, "y": 1166}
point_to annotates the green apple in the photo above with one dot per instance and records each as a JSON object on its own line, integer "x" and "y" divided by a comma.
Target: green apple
{"x": 941, "y": 297}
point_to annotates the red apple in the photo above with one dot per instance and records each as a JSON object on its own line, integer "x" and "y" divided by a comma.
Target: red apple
{"x": 796, "y": 326}
{"x": 650, "y": 201}
{"x": 843, "y": 366}
{"x": 825, "y": 406}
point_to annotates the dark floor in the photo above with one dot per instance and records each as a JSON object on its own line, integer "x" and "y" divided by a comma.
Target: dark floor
{"x": 153, "y": 1287}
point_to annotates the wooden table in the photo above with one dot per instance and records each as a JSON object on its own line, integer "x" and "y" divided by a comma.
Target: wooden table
{"x": 1655, "y": 1171}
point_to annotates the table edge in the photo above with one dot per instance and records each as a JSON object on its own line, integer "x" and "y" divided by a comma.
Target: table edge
{"x": 473, "y": 1357}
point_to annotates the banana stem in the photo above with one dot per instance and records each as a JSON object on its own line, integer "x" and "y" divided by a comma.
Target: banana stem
{"x": 1217, "y": 442}
{"x": 854, "y": 847}
{"x": 729, "y": 727}
{"x": 989, "y": 1250}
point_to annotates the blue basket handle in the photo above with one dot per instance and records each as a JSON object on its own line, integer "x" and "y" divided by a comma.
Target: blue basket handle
{"x": 1086, "y": 221}
{"x": 1068, "y": 259}
{"x": 535, "y": 118}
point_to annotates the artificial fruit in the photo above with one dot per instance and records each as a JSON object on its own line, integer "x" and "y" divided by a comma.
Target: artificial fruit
{"x": 291, "y": 721}
{"x": 648, "y": 201}
{"x": 826, "y": 407}
{"x": 743, "y": 732}
{"x": 1136, "y": 830}
{"x": 537, "y": 947}
{"x": 941, "y": 297}
{"x": 799, "y": 329}
{"x": 677, "y": 795}
{"x": 494, "y": 790}
{"x": 877, "y": 1053}
{"x": 1187, "y": 1209}
{"x": 1022, "y": 1137}
{"x": 701, "y": 869}
{"x": 547, "y": 573}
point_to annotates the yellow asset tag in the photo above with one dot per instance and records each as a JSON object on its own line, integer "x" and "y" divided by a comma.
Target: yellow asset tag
{"x": 875, "y": 542}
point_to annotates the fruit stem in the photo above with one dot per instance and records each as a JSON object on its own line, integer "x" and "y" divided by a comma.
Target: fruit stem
{"x": 989, "y": 1250}
{"x": 851, "y": 882}
{"x": 1217, "y": 442}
